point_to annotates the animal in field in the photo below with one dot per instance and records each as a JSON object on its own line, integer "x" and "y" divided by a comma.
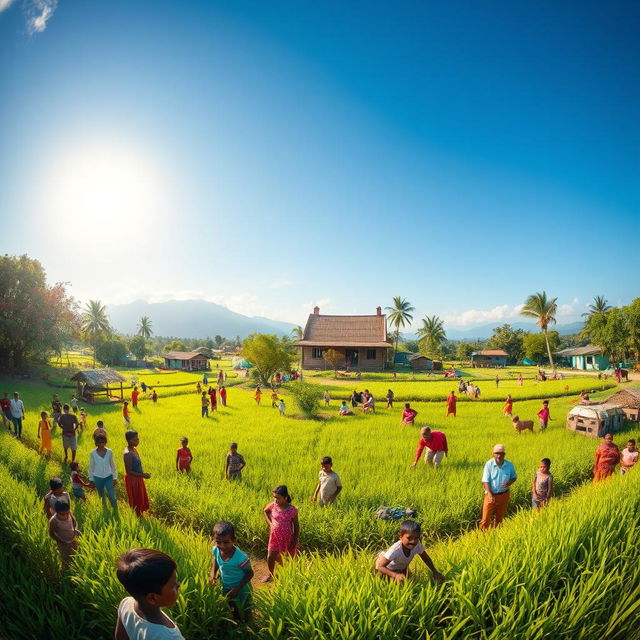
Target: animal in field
{"x": 522, "y": 425}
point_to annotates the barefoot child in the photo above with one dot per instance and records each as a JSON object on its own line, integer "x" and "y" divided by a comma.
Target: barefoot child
{"x": 258, "y": 395}
{"x": 64, "y": 530}
{"x": 125, "y": 413}
{"x": 281, "y": 407}
{"x": 629, "y": 457}
{"x": 543, "y": 415}
{"x": 282, "y": 518}
{"x": 77, "y": 483}
{"x": 234, "y": 568}
{"x": 542, "y": 488}
{"x": 394, "y": 562}
{"x": 102, "y": 468}
{"x": 508, "y": 406}
{"x": 327, "y": 398}
{"x": 150, "y": 578}
{"x": 234, "y": 463}
{"x": 184, "y": 457}
{"x": 329, "y": 485}
{"x": 44, "y": 433}
{"x": 57, "y": 494}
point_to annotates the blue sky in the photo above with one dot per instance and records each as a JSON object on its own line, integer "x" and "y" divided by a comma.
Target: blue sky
{"x": 274, "y": 155}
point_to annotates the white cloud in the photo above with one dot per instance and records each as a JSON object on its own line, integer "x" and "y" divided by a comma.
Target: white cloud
{"x": 38, "y": 13}
{"x": 568, "y": 309}
{"x": 475, "y": 316}
{"x": 5, "y": 4}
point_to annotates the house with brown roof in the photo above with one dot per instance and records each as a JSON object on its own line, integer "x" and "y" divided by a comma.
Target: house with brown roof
{"x": 361, "y": 341}
{"x": 489, "y": 358}
{"x": 186, "y": 360}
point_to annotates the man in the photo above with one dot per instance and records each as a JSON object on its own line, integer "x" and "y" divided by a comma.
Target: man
{"x": 56, "y": 410}
{"x": 69, "y": 424}
{"x": 5, "y": 408}
{"x": 436, "y": 444}
{"x": 499, "y": 474}
{"x": 16, "y": 408}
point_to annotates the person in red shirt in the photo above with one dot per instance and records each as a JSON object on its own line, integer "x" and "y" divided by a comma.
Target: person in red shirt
{"x": 408, "y": 414}
{"x": 184, "y": 457}
{"x": 223, "y": 396}
{"x": 213, "y": 399}
{"x": 508, "y": 406}
{"x": 5, "y": 405}
{"x": 543, "y": 415}
{"x": 134, "y": 397}
{"x": 436, "y": 444}
{"x": 451, "y": 404}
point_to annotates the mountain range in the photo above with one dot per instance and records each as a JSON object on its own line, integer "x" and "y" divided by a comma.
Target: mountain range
{"x": 191, "y": 319}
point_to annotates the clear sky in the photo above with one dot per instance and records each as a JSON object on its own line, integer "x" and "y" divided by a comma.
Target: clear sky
{"x": 274, "y": 155}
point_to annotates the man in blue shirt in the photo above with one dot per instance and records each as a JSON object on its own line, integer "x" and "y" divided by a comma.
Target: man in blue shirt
{"x": 498, "y": 475}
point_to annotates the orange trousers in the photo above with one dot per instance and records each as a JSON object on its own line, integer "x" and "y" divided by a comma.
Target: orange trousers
{"x": 493, "y": 513}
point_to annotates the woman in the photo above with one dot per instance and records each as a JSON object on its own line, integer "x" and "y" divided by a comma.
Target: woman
{"x": 134, "y": 475}
{"x": 607, "y": 457}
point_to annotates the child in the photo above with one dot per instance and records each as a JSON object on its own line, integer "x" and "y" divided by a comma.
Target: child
{"x": 543, "y": 415}
{"x": 629, "y": 457}
{"x": 204, "y": 403}
{"x": 154, "y": 396}
{"x": 223, "y": 396}
{"x": 44, "y": 433}
{"x": 327, "y": 398}
{"x": 281, "y": 407}
{"x": 408, "y": 414}
{"x": 77, "y": 483}
{"x": 83, "y": 418}
{"x": 64, "y": 530}
{"x": 184, "y": 457}
{"x": 151, "y": 580}
{"x": 344, "y": 409}
{"x": 542, "y": 488}
{"x": 234, "y": 463}
{"x": 125, "y": 413}
{"x": 134, "y": 475}
{"x": 74, "y": 404}
{"x": 134, "y": 397}
{"x": 258, "y": 395}
{"x": 329, "y": 485}
{"x": 234, "y": 567}
{"x": 274, "y": 399}
{"x": 102, "y": 468}
{"x": 508, "y": 407}
{"x": 394, "y": 562}
{"x": 57, "y": 494}
{"x": 282, "y": 518}
{"x": 390, "y": 398}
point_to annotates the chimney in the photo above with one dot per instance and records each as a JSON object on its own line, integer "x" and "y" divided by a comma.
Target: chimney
{"x": 316, "y": 310}
{"x": 378, "y": 311}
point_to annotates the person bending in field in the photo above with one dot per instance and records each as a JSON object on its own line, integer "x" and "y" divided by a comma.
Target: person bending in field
{"x": 542, "y": 488}
{"x": 150, "y": 578}
{"x": 204, "y": 404}
{"x": 408, "y": 414}
{"x": 56, "y": 494}
{"x": 344, "y": 409}
{"x": 369, "y": 405}
{"x": 282, "y": 518}
{"x": 629, "y": 457}
{"x": 394, "y": 562}
{"x": 451, "y": 404}
{"x": 44, "y": 433}
{"x": 77, "y": 482}
{"x": 234, "y": 568}
{"x": 435, "y": 442}
{"x": 234, "y": 463}
{"x": 508, "y": 407}
{"x": 63, "y": 528}
{"x": 183, "y": 456}
{"x": 329, "y": 485}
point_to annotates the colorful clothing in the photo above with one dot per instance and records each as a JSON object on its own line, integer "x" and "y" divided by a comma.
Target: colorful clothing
{"x": 45, "y": 435}
{"x": 184, "y": 459}
{"x": 508, "y": 408}
{"x": 76, "y": 485}
{"x": 232, "y": 571}
{"x": 496, "y": 475}
{"x": 136, "y": 490}
{"x": 437, "y": 442}
{"x": 223, "y": 397}
{"x": 543, "y": 484}
{"x": 408, "y": 416}
{"x": 235, "y": 463}
{"x": 134, "y": 398}
{"x": 281, "y": 535}
{"x": 629, "y": 459}
{"x": 543, "y": 417}
{"x": 607, "y": 457}
{"x": 451, "y": 405}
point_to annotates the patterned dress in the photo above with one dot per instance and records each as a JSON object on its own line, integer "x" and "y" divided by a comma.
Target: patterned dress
{"x": 281, "y": 536}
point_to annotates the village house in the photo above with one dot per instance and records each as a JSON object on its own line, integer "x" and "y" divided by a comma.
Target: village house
{"x": 361, "y": 341}
{"x": 186, "y": 360}
{"x": 589, "y": 358}
{"x": 489, "y": 358}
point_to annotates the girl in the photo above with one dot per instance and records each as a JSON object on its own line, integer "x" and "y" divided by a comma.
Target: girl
{"x": 184, "y": 457}
{"x": 213, "y": 399}
{"x": 390, "y": 397}
{"x": 102, "y": 468}
{"x": 125, "y": 413}
{"x": 508, "y": 406}
{"x": 44, "y": 433}
{"x": 607, "y": 457}
{"x": 154, "y": 396}
{"x": 542, "y": 487}
{"x": 258, "y": 395}
{"x": 77, "y": 482}
{"x": 223, "y": 396}
{"x": 134, "y": 475}
{"x": 520, "y": 380}
{"x": 408, "y": 414}
{"x": 282, "y": 518}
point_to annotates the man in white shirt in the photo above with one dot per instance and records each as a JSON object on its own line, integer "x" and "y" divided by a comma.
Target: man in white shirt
{"x": 17, "y": 414}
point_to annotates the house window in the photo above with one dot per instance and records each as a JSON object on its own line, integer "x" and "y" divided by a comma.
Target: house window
{"x": 316, "y": 353}
{"x": 371, "y": 354}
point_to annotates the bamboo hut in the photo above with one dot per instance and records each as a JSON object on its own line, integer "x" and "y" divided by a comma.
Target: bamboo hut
{"x": 628, "y": 400}
{"x": 595, "y": 420}
{"x": 93, "y": 384}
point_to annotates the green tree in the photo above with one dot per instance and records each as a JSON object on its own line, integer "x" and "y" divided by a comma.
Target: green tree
{"x": 267, "y": 354}
{"x": 95, "y": 324}
{"x": 144, "y": 328}
{"x": 307, "y": 397}
{"x": 610, "y": 332}
{"x": 138, "y": 346}
{"x": 543, "y": 309}
{"x": 297, "y": 332}
{"x": 35, "y": 319}
{"x": 218, "y": 340}
{"x": 632, "y": 316}
{"x": 399, "y": 315}
{"x": 174, "y": 345}
{"x": 432, "y": 335}
{"x": 333, "y": 358}
{"x": 464, "y": 350}
{"x": 411, "y": 345}
{"x": 111, "y": 350}
{"x": 508, "y": 339}
{"x": 535, "y": 345}
{"x": 599, "y": 306}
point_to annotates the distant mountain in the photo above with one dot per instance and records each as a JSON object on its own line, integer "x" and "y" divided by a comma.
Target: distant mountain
{"x": 485, "y": 331}
{"x": 191, "y": 319}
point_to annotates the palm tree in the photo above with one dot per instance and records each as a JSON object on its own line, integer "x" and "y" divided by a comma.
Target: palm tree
{"x": 543, "y": 309}
{"x": 95, "y": 323}
{"x": 432, "y": 334}
{"x": 399, "y": 315}
{"x": 600, "y": 305}
{"x": 144, "y": 328}
{"x": 297, "y": 332}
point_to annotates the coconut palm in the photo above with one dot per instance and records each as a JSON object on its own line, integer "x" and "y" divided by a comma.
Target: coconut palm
{"x": 432, "y": 334}
{"x": 399, "y": 315}
{"x": 297, "y": 332}
{"x": 144, "y": 328}
{"x": 543, "y": 309}
{"x": 600, "y": 305}
{"x": 95, "y": 323}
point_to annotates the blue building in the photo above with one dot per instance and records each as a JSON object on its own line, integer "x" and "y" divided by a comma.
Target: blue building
{"x": 588, "y": 358}
{"x": 489, "y": 358}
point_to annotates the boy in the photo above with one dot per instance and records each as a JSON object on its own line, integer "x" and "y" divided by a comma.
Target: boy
{"x": 629, "y": 457}
{"x": 281, "y": 407}
{"x": 205, "y": 405}
{"x": 329, "y": 485}
{"x": 235, "y": 463}
{"x": 150, "y": 578}
{"x": 63, "y": 529}
{"x": 327, "y": 398}
{"x": 234, "y": 567}
{"x": 125, "y": 413}
{"x": 57, "y": 494}
{"x": 394, "y": 562}
{"x": 543, "y": 415}
{"x": 77, "y": 483}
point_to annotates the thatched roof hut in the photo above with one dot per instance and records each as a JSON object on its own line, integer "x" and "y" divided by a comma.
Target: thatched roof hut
{"x": 93, "y": 383}
{"x": 628, "y": 400}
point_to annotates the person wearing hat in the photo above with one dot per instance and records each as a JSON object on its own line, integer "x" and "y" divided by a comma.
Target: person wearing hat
{"x": 498, "y": 475}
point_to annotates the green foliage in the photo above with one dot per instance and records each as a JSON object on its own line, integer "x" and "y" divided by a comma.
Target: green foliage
{"x": 535, "y": 345}
{"x": 138, "y": 346}
{"x": 112, "y": 350}
{"x": 411, "y": 345}
{"x": 144, "y": 328}
{"x": 95, "y": 324}
{"x": 543, "y": 310}
{"x": 174, "y": 345}
{"x": 268, "y": 355}
{"x": 464, "y": 350}
{"x": 508, "y": 339}
{"x": 432, "y": 335}
{"x": 307, "y": 397}
{"x": 398, "y": 316}
{"x": 333, "y": 358}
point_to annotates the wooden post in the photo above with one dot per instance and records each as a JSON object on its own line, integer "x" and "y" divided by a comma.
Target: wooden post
{"x": 121, "y": 391}
{"x": 107, "y": 388}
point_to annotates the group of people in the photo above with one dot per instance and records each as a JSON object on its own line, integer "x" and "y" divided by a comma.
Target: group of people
{"x": 209, "y": 398}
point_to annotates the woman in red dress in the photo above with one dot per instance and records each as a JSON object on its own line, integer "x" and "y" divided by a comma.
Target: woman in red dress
{"x": 607, "y": 457}
{"x": 451, "y": 404}
{"x": 508, "y": 406}
{"x": 134, "y": 475}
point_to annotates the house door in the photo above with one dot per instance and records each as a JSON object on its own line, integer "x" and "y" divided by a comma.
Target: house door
{"x": 351, "y": 356}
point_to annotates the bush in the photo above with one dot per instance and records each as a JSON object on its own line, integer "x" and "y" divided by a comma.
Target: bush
{"x": 307, "y": 397}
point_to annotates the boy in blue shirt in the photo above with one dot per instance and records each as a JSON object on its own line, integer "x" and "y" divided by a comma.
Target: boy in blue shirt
{"x": 234, "y": 567}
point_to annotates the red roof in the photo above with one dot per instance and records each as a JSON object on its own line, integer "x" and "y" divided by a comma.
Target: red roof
{"x": 492, "y": 352}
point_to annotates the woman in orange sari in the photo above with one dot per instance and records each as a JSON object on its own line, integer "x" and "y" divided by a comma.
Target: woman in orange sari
{"x": 607, "y": 457}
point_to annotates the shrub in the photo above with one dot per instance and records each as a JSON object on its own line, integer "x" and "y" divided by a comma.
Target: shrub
{"x": 307, "y": 397}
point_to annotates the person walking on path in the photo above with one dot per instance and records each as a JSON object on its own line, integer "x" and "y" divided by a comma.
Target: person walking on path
{"x": 17, "y": 414}
{"x": 44, "y": 433}
{"x": 451, "y": 404}
{"x": 69, "y": 424}
{"x": 102, "y": 469}
{"x": 204, "y": 403}
{"x": 607, "y": 458}
{"x": 134, "y": 397}
{"x": 508, "y": 407}
{"x": 435, "y": 442}
{"x": 498, "y": 475}
{"x": 134, "y": 475}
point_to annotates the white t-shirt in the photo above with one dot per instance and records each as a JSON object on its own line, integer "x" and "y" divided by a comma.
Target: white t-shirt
{"x": 138, "y": 628}
{"x": 17, "y": 408}
{"x": 398, "y": 561}
{"x": 329, "y": 483}
{"x": 629, "y": 457}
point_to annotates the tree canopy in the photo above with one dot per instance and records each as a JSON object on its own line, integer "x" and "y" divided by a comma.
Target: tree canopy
{"x": 432, "y": 335}
{"x": 268, "y": 354}
{"x": 508, "y": 339}
{"x": 543, "y": 309}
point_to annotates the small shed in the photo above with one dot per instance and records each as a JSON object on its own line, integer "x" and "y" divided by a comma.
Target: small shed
{"x": 489, "y": 358}
{"x": 186, "y": 360}
{"x": 595, "y": 420}
{"x": 628, "y": 400}
{"x": 94, "y": 383}
{"x": 421, "y": 363}
{"x": 403, "y": 357}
